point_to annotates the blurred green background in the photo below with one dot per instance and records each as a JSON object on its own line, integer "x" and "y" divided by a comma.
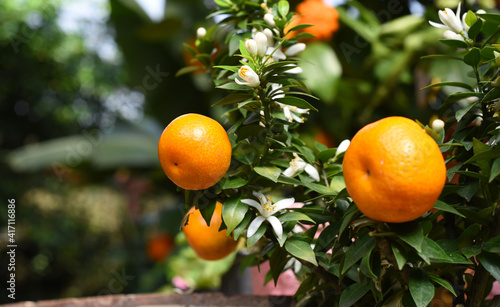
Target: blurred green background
{"x": 86, "y": 88}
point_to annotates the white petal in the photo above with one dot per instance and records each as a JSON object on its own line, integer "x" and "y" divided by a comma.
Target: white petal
{"x": 296, "y": 118}
{"x": 277, "y": 227}
{"x": 269, "y": 19}
{"x": 284, "y": 203}
{"x": 201, "y": 32}
{"x": 466, "y": 26}
{"x": 295, "y": 49}
{"x": 289, "y": 172}
{"x": 287, "y": 113}
{"x": 296, "y": 70}
{"x": 252, "y": 203}
{"x": 261, "y": 197}
{"x": 437, "y": 125}
{"x": 343, "y": 146}
{"x": 261, "y": 40}
{"x": 448, "y": 34}
{"x": 254, "y": 225}
{"x": 240, "y": 82}
{"x": 311, "y": 171}
{"x": 277, "y": 53}
{"x": 438, "y": 25}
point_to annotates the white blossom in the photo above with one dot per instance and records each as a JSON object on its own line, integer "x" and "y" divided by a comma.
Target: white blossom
{"x": 270, "y": 36}
{"x": 437, "y": 125}
{"x": 295, "y": 49}
{"x": 452, "y": 35}
{"x": 343, "y": 147}
{"x": 261, "y": 40}
{"x": 298, "y": 165}
{"x": 266, "y": 212}
{"x": 251, "y": 46}
{"x": 269, "y": 19}
{"x": 201, "y": 32}
{"x": 250, "y": 77}
{"x": 450, "y": 20}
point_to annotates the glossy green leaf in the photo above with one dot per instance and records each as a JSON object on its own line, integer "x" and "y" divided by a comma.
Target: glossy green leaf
{"x": 233, "y": 212}
{"x": 490, "y": 262}
{"x": 414, "y": 236}
{"x": 470, "y": 251}
{"x": 270, "y": 172}
{"x": 243, "y": 225}
{"x": 443, "y": 283}
{"x": 361, "y": 247}
{"x": 399, "y": 254}
{"x": 450, "y": 83}
{"x": 257, "y": 235}
{"x": 492, "y": 245}
{"x": 454, "y": 43}
{"x": 277, "y": 262}
{"x": 440, "y": 205}
{"x": 234, "y": 183}
{"x": 473, "y": 57}
{"x": 421, "y": 288}
{"x": 295, "y": 216}
{"x": 462, "y": 112}
{"x": 475, "y": 29}
{"x": 283, "y": 8}
{"x": 495, "y": 170}
{"x": 301, "y": 250}
{"x": 353, "y": 293}
{"x": 295, "y": 101}
{"x": 232, "y": 98}
{"x": 208, "y": 210}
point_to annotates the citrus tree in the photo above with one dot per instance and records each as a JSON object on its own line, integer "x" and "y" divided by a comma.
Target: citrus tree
{"x": 367, "y": 223}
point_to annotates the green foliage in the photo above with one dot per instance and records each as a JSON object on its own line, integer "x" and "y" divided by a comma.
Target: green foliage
{"x": 344, "y": 256}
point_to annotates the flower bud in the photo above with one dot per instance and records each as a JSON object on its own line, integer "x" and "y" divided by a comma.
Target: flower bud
{"x": 261, "y": 40}
{"x": 201, "y": 32}
{"x": 249, "y": 76}
{"x": 269, "y": 19}
{"x": 295, "y": 49}
{"x": 270, "y": 38}
{"x": 251, "y": 46}
{"x": 343, "y": 147}
{"x": 437, "y": 125}
{"x": 452, "y": 35}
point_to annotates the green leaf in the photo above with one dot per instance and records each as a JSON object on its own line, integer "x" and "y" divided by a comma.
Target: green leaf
{"x": 470, "y": 251}
{"x": 421, "y": 288}
{"x": 493, "y": 18}
{"x": 283, "y": 8}
{"x": 447, "y": 208}
{"x": 321, "y": 70}
{"x": 492, "y": 245}
{"x": 244, "y": 153}
{"x": 475, "y": 29}
{"x": 243, "y": 225}
{"x": 473, "y": 57}
{"x": 232, "y": 98}
{"x": 399, "y": 254}
{"x": 296, "y": 101}
{"x": 186, "y": 70}
{"x": 233, "y": 212}
{"x": 485, "y": 155}
{"x": 452, "y": 98}
{"x": 234, "y": 86}
{"x": 301, "y": 249}
{"x": 413, "y": 235}
{"x": 495, "y": 169}
{"x": 454, "y": 43}
{"x": 443, "y": 283}
{"x": 433, "y": 252}
{"x": 462, "y": 112}
{"x": 353, "y": 293}
{"x": 270, "y": 172}
{"x": 441, "y": 57}
{"x": 299, "y": 27}
{"x": 234, "y": 183}
{"x": 490, "y": 263}
{"x": 295, "y": 216}
{"x": 366, "y": 266}
{"x": 361, "y": 247}
{"x": 277, "y": 262}
{"x": 450, "y": 83}
{"x": 208, "y": 210}
{"x": 256, "y": 236}
{"x": 327, "y": 236}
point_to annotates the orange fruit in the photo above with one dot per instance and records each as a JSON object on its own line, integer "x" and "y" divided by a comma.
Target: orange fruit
{"x": 393, "y": 170}
{"x": 207, "y": 241}
{"x": 194, "y": 151}
{"x": 323, "y": 17}
{"x": 159, "y": 247}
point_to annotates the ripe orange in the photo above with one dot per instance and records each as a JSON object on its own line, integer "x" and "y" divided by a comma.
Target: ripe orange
{"x": 207, "y": 241}
{"x": 194, "y": 151}
{"x": 159, "y": 247}
{"x": 393, "y": 170}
